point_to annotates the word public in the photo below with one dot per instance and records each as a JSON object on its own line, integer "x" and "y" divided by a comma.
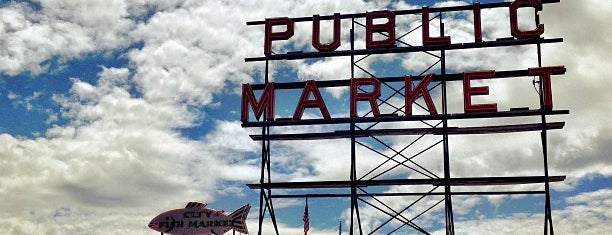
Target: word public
{"x": 388, "y": 28}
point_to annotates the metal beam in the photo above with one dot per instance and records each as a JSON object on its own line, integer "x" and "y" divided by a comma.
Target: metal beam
{"x": 394, "y": 50}
{"x": 403, "y": 12}
{"x": 396, "y": 118}
{"x": 473, "y": 181}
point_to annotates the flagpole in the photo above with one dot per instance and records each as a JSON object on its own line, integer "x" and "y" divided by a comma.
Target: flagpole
{"x": 306, "y": 218}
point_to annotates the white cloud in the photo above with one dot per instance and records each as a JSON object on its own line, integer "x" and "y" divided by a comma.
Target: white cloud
{"x": 587, "y": 213}
{"x": 120, "y": 154}
{"x": 66, "y": 29}
{"x": 117, "y": 153}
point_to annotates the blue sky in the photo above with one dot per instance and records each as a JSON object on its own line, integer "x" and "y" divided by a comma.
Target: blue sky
{"x": 113, "y": 112}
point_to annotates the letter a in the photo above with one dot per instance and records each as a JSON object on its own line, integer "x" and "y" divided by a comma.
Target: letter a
{"x": 305, "y": 102}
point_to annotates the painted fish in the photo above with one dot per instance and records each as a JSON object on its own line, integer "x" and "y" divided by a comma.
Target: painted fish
{"x": 196, "y": 218}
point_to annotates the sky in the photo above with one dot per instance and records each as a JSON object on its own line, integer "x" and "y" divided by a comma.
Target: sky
{"x": 112, "y": 112}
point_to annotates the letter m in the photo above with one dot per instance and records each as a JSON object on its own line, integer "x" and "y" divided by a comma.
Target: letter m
{"x": 265, "y": 100}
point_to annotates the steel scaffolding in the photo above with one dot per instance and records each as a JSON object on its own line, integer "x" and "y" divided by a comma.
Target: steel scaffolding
{"x": 429, "y": 189}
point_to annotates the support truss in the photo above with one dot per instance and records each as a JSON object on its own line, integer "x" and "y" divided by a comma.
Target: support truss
{"x": 427, "y": 192}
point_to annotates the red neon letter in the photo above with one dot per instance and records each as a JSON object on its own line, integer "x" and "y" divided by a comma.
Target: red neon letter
{"x": 316, "y": 34}
{"x": 425, "y": 27}
{"x": 266, "y": 98}
{"x": 305, "y": 102}
{"x": 369, "y": 96}
{"x": 477, "y": 23}
{"x": 272, "y": 36}
{"x": 544, "y": 73}
{"x": 372, "y": 28}
{"x": 514, "y": 29}
{"x": 411, "y": 95}
{"x": 469, "y": 91}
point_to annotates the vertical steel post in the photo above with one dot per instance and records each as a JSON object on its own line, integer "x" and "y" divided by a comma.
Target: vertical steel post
{"x": 448, "y": 203}
{"x": 264, "y": 154}
{"x": 353, "y": 176}
{"x": 544, "y": 138}
{"x": 352, "y": 130}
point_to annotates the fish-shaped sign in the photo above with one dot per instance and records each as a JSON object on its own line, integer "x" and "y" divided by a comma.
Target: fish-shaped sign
{"x": 196, "y": 218}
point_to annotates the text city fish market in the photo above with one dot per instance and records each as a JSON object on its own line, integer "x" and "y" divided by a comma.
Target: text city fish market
{"x": 172, "y": 223}
{"x": 195, "y": 223}
{"x": 267, "y": 97}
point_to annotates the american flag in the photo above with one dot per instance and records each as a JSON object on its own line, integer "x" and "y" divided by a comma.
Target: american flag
{"x": 305, "y": 219}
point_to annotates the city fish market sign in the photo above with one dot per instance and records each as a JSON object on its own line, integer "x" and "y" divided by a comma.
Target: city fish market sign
{"x": 196, "y": 218}
{"x": 311, "y": 96}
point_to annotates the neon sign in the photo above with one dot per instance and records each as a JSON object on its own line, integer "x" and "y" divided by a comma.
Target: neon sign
{"x": 389, "y": 28}
{"x": 385, "y": 106}
{"x": 265, "y": 102}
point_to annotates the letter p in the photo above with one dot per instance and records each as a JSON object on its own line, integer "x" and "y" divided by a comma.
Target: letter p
{"x": 273, "y": 36}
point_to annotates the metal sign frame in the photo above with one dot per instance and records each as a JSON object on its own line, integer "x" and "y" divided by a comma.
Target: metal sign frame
{"x": 365, "y": 130}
